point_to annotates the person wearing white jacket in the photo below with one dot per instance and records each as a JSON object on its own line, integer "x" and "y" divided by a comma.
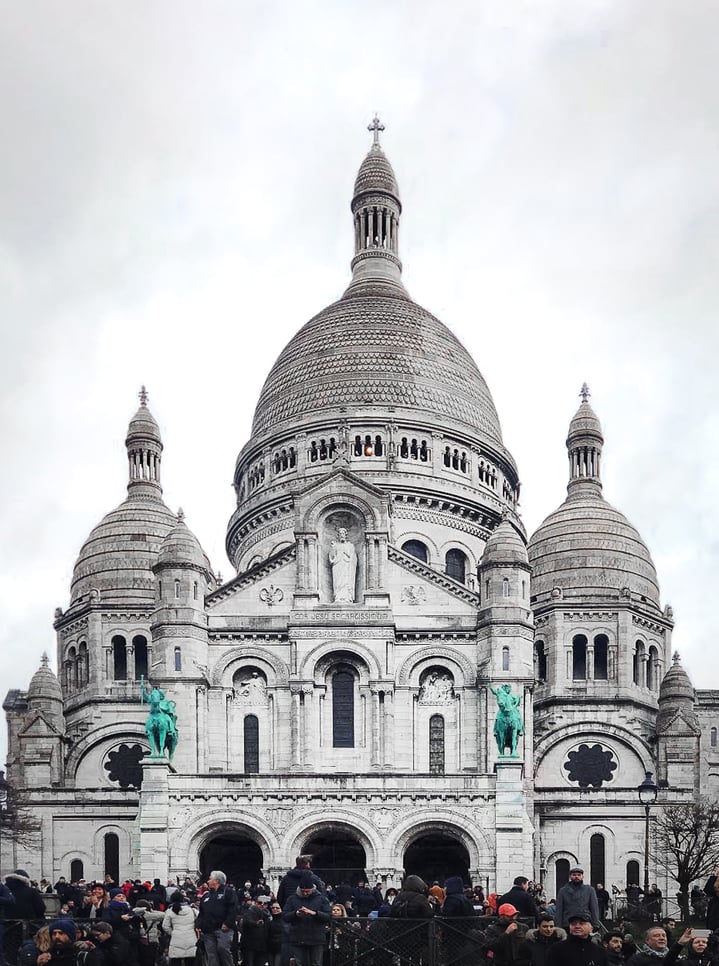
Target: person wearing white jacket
{"x": 179, "y": 924}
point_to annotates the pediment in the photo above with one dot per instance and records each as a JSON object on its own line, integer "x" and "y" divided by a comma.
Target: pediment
{"x": 38, "y": 726}
{"x": 417, "y": 587}
{"x": 264, "y": 590}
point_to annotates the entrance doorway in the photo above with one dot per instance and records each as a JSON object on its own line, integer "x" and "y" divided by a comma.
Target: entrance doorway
{"x": 234, "y": 854}
{"x": 437, "y": 856}
{"x": 336, "y": 856}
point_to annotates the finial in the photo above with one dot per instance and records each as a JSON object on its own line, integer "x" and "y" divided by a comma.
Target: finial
{"x": 584, "y": 392}
{"x": 143, "y": 396}
{"x": 374, "y": 128}
{"x": 675, "y": 657}
{"x": 180, "y": 514}
{"x": 44, "y": 660}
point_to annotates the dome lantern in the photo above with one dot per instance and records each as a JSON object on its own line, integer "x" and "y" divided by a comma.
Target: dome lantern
{"x": 144, "y": 451}
{"x": 584, "y": 445}
{"x": 376, "y": 209}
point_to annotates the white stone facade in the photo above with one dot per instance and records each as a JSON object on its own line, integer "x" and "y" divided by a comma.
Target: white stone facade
{"x": 358, "y": 722}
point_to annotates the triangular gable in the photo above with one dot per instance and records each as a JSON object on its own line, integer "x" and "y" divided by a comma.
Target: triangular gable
{"x": 417, "y": 584}
{"x": 265, "y": 588}
{"x": 38, "y": 726}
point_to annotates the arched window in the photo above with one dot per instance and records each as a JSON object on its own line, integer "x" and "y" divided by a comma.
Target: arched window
{"x": 596, "y": 859}
{"x": 447, "y": 458}
{"x": 436, "y": 745}
{"x": 119, "y": 659}
{"x": 632, "y": 872}
{"x": 177, "y": 590}
{"x": 713, "y": 737}
{"x": 653, "y": 669}
{"x": 455, "y": 565}
{"x": 112, "y": 855}
{"x": 71, "y": 669}
{"x": 83, "y": 667}
{"x": 505, "y": 587}
{"x": 505, "y": 658}
{"x": 601, "y": 654}
{"x": 415, "y": 548}
{"x": 561, "y": 873}
{"x": 178, "y": 658}
{"x": 579, "y": 658}
{"x": 404, "y": 448}
{"x": 637, "y": 662}
{"x": 343, "y": 709}
{"x": 139, "y": 643}
{"x": 195, "y": 589}
{"x": 540, "y": 661}
{"x": 77, "y": 870}
{"x": 252, "y": 744}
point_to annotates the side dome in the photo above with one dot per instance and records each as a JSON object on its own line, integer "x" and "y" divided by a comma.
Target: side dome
{"x": 44, "y": 686}
{"x": 587, "y": 548}
{"x": 505, "y": 546}
{"x": 181, "y": 548}
{"x": 116, "y": 559}
{"x": 676, "y": 689}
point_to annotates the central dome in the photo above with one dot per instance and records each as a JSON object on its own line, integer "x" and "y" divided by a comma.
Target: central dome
{"x": 375, "y": 351}
{"x": 368, "y": 351}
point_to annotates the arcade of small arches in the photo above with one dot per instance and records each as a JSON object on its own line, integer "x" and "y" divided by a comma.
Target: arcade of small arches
{"x": 126, "y": 660}
{"x": 592, "y": 657}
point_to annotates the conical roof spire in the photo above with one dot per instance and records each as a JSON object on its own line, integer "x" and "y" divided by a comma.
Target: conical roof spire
{"x": 376, "y": 209}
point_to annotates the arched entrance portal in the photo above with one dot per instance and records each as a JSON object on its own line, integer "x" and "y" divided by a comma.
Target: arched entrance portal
{"x": 337, "y": 856}
{"x": 234, "y": 854}
{"x": 436, "y": 856}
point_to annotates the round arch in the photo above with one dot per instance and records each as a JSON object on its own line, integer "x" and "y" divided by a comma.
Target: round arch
{"x": 346, "y": 497}
{"x": 433, "y": 557}
{"x": 192, "y": 835}
{"x": 344, "y": 822}
{"x": 409, "y": 672}
{"x": 278, "y": 674}
{"x": 633, "y": 743}
{"x": 312, "y": 662}
{"x": 458, "y": 545}
{"x": 474, "y": 840}
{"x": 134, "y": 730}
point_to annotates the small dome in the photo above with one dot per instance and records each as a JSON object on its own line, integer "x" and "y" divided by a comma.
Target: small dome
{"x": 505, "y": 546}
{"x": 676, "y": 688}
{"x": 584, "y": 423}
{"x": 44, "y": 685}
{"x": 143, "y": 423}
{"x": 181, "y": 548}
{"x": 586, "y": 548}
{"x": 376, "y": 174}
{"x": 116, "y": 559}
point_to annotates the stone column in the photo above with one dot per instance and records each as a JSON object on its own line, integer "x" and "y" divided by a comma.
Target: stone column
{"x": 590, "y": 661}
{"x": 388, "y": 729}
{"x": 308, "y": 725}
{"x": 376, "y": 725}
{"x": 295, "y": 730}
{"x": 153, "y": 820}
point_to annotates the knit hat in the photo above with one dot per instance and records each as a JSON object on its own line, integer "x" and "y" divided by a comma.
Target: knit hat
{"x": 66, "y": 925}
{"x": 307, "y": 880}
{"x": 507, "y": 909}
{"x": 115, "y": 892}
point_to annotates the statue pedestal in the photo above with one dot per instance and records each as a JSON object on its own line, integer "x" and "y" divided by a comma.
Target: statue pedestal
{"x": 514, "y": 831}
{"x": 152, "y": 820}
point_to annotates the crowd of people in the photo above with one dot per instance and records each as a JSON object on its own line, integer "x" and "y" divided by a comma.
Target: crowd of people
{"x": 310, "y": 923}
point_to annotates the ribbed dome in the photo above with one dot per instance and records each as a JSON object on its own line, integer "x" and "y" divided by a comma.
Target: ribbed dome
{"x": 118, "y": 556}
{"x": 587, "y": 548}
{"x": 585, "y": 423}
{"x": 376, "y": 352}
{"x": 505, "y": 546}
{"x": 376, "y": 174}
{"x": 143, "y": 424}
{"x": 676, "y": 688}
{"x": 182, "y": 548}
{"x": 44, "y": 685}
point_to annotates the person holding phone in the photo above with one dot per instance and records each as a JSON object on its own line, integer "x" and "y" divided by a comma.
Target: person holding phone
{"x": 700, "y": 946}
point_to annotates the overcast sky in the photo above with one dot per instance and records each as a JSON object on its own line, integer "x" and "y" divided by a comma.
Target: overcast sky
{"x": 175, "y": 181}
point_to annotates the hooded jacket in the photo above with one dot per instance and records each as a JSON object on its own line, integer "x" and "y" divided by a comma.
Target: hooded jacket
{"x": 291, "y": 881}
{"x": 29, "y": 904}
{"x": 577, "y": 951}
{"x": 456, "y": 904}
{"x": 412, "y": 901}
{"x": 179, "y": 924}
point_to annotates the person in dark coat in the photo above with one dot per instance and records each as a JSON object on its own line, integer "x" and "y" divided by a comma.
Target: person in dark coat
{"x": 411, "y": 902}
{"x": 460, "y": 939}
{"x": 534, "y": 949}
{"x": 575, "y": 897}
{"x": 28, "y": 904}
{"x": 291, "y": 880}
{"x": 579, "y": 948}
{"x": 254, "y": 921}
{"x": 711, "y": 889}
{"x": 519, "y": 897}
{"x": 217, "y": 920}
{"x": 456, "y": 904}
{"x": 505, "y": 935}
{"x": 307, "y": 913}
{"x": 111, "y": 949}
{"x": 275, "y": 929}
{"x": 365, "y": 900}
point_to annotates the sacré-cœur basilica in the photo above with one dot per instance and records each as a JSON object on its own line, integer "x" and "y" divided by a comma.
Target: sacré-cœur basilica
{"x": 346, "y": 693}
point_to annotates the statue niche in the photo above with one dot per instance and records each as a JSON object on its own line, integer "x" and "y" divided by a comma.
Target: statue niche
{"x": 250, "y": 687}
{"x": 342, "y": 559}
{"x": 437, "y": 687}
